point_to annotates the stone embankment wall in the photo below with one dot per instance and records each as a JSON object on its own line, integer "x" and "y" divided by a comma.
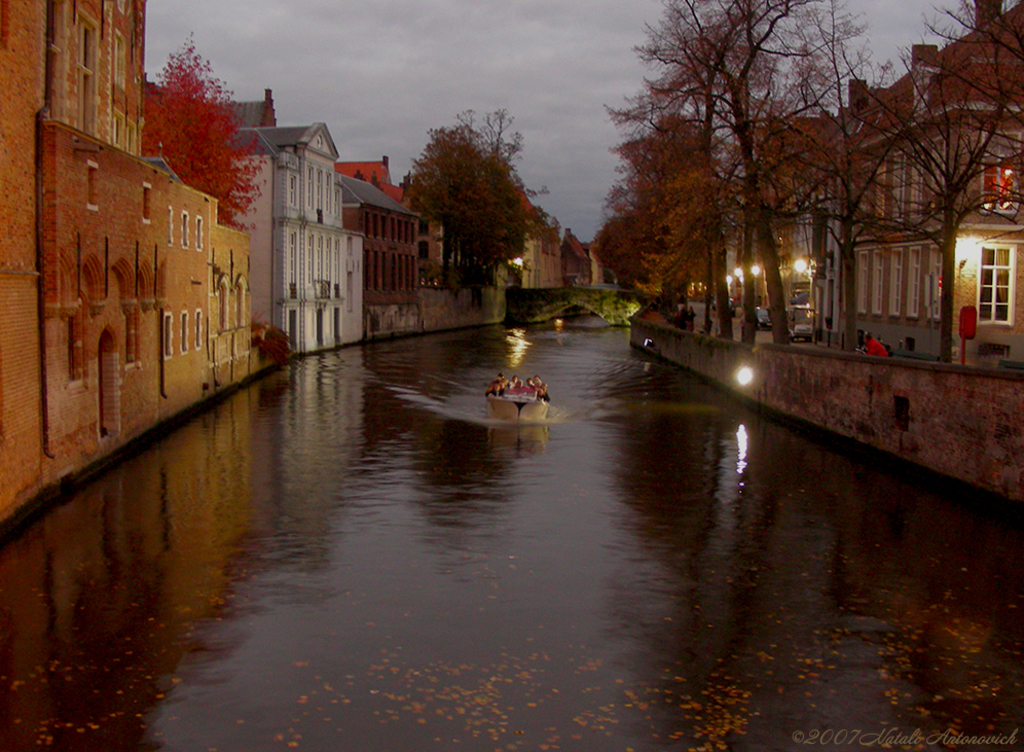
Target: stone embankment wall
{"x": 435, "y": 310}
{"x": 965, "y": 423}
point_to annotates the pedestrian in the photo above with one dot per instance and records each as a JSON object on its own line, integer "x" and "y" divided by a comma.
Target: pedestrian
{"x": 873, "y": 347}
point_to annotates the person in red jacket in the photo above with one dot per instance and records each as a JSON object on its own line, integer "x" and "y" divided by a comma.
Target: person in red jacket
{"x": 873, "y": 347}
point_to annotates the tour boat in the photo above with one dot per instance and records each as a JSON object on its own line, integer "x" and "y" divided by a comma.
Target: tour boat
{"x": 517, "y": 406}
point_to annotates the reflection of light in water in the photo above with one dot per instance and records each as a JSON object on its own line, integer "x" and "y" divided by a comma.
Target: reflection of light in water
{"x": 559, "y": 325}
{"x": 516, "y": 340}
{"x": 741, "y": 449}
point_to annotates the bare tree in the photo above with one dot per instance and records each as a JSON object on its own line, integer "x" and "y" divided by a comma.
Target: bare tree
{"x": 729, "y": 67}
{"x": 838, "y": 148}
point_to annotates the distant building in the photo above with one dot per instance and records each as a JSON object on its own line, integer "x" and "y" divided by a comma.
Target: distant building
{"x": 257, "y": 114}
{"x": 390, "y": 271}
{"x": 577, "y": 269}
{"x": 541, "y": 262}
{"x": 306, "y": 266}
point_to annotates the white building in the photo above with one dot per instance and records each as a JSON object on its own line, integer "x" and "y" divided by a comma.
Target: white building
{"x": 306, "y": 269}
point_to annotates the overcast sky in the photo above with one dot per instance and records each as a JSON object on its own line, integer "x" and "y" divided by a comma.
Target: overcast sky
{"x": 380, "y": 74}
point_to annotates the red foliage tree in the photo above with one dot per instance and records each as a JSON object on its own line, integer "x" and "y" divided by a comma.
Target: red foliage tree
{"x": 191, "y": 123}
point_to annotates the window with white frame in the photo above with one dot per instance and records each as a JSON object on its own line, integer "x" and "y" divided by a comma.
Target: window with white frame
{"x": 184, "y": 229}
{"x": 120, "y": 59}
{"x": 309, "y": 187}
{"x": 88, "y": 38}
{"x": 293, "y": 260}
{"x": 199, "y": 329}
{"x": 199, "y": 233}
{"x": 184, "y": 331}
{"x": 876, "y": 283}
{"x": 170, "y": 225}
{"x": 292, "y": 182}
{"x": 995, "y": 284}
{"x": 117, "y": 130}
{"x": 895, "y": 282}
{"x": 935, "y": 286}
{"x": 914, "y": 284}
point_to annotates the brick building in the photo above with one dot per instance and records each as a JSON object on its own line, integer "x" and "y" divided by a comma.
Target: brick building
{"x": 125, "y": 255}
{"x": 576, "y": 265}
{"x": 390, "y": 268}
{"x": 21, "y": 31}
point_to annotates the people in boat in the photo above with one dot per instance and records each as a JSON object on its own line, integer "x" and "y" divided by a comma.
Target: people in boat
{"x": 498, "y": 385}
{"x": 515, "y": 383}
{"x": 539, "y": 387}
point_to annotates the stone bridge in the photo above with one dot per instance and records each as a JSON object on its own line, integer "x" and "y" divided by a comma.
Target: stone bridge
{"x": 532, "y": 306}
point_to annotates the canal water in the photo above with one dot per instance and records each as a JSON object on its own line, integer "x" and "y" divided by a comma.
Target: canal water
{"x": 350, "y": 558}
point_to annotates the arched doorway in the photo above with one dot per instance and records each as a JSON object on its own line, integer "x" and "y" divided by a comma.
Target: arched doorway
{"x": 110, "y": 385}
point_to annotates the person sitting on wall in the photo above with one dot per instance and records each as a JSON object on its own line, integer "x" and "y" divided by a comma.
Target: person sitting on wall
{"x": 873, "y": 347}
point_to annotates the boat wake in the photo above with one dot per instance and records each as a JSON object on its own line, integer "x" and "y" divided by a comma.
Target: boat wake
{"x": 470, "y": 408}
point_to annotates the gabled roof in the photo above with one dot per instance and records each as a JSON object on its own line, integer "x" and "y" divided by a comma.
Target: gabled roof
{"x": 571, "y": 242}
{"x": 273, "y": 140}
{"x": 362, "y": 192}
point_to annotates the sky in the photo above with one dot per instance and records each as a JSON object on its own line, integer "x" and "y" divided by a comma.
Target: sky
{"x": 381, "y": 74}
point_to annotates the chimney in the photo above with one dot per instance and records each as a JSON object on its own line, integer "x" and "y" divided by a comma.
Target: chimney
{"x": 268, "y": 119}
{"x": 857, "y": 93}
{"x": 384, "y": 161}
{"x": 986, "y": 11}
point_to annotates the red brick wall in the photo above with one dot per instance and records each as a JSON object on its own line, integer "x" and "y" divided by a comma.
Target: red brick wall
{"x": 20, "y": 434}
{"x": 105, "y": 264}
{"x": 961, "y": 422}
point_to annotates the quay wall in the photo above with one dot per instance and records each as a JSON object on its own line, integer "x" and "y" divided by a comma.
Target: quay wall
{"x": 434, "y": 310}
{"x": 961, "y": 422}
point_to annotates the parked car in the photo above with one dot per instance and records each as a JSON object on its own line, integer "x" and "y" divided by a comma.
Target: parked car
{"x": 764, "y": 318}
{"x": 801, "y": 323}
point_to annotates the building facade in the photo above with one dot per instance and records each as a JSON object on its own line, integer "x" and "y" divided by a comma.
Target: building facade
{"x": 390, "y": 267}
{"x": 901, "y": 274}
{"x": 307, "y": 267}
{"x": 21, "y": 70}
{"x": 122, "y": 255}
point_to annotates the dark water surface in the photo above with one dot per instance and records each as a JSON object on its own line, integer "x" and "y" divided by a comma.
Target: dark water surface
{"x": 350, "y": 558}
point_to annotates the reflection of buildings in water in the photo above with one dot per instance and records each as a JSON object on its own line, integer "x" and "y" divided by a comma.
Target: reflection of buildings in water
{"x": 103, "y": 593}
{"x": 523, "y": 438}
{"x": 315, "y": 440}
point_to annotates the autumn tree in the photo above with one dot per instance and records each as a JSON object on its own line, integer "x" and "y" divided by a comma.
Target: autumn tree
{"x": 730, "y": 71}
{"x": 465, "y": 181}
{"x": 191, "y": 123}
{"x": 656, "y": 236}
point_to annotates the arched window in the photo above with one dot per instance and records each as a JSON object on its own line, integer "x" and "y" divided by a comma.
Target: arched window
{"x": 239, "y": 305}
{"x": 222, "y": 301}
